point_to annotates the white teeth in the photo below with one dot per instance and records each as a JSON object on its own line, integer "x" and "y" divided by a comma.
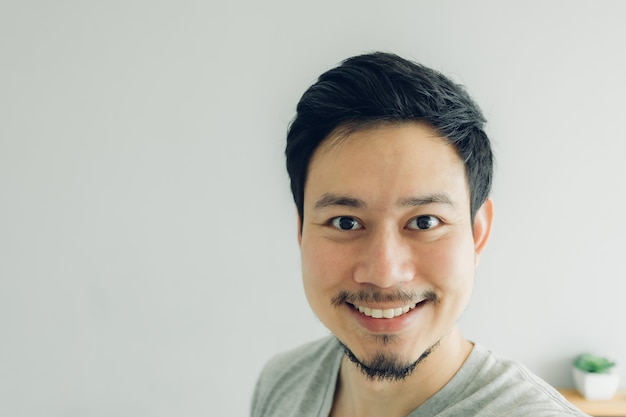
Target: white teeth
{"x": 390, "y": 313}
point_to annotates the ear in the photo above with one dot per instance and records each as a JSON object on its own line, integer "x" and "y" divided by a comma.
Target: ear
{"x": 299, "y": 228}
{"x": 482, "y": 228}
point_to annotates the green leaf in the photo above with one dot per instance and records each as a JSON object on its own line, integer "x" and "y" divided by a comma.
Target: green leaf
{"x": 594, "y": 364}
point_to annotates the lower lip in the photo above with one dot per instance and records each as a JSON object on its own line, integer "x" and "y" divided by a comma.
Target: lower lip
{"x": 387, "y": 326}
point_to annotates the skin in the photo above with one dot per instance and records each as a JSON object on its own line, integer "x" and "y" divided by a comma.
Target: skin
{"x": 402, "y": 192}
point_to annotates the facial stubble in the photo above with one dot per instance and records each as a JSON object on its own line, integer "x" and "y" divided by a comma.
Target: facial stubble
{"x": 384, "y": 366}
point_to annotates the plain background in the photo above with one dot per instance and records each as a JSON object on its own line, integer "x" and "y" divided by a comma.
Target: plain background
{"x": 148, "y": 255}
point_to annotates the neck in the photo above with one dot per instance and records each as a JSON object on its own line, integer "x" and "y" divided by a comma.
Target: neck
{"x": 357, "y": 395}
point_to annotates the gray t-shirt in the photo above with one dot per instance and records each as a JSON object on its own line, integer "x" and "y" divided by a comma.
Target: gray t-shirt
{"x": 302, "y": 383}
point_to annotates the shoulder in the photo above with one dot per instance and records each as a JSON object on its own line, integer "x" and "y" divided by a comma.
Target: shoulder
{"x": 297, "y": 379}
{"x": 300, "y": 359}
{"x": 487, "y": 385}
{"x": 516, "y": 389}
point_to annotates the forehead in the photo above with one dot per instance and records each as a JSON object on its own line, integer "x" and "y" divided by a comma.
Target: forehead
{"x": 386, "y": 162}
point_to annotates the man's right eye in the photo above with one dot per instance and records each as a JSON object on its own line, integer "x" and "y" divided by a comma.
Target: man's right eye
{"x": 346, "y": 223}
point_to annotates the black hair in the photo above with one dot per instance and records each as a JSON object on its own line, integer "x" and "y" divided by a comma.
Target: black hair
{"x": 367, "y": 90}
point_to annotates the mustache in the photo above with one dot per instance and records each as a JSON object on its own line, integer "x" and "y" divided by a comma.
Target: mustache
{"x": 371, "y": 295}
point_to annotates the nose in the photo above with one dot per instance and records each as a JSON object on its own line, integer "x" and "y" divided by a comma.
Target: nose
{"x": 386, "y": 260}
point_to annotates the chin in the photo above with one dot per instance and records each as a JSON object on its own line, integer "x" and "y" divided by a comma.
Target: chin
{"x": 384, "y": 364}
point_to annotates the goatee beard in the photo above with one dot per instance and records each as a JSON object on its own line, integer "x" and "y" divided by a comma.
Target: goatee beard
{"x": 384, "y": 367}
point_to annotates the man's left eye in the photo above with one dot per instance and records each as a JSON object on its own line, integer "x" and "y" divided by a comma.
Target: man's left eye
{"x": 423, "y": 222}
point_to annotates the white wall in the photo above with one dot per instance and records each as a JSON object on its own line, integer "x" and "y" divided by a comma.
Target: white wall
{"x": 148, "y": 257}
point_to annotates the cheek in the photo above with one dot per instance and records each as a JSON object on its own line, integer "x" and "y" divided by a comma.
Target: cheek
{"x": 323, "y": 270}
{"x": 451, "y": 264}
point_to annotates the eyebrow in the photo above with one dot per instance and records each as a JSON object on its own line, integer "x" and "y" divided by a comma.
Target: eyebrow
{"x": 436, "y": 198}
{"x": 330, "y": 199}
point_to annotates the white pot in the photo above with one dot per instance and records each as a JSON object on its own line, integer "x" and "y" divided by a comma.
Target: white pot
{"x": 595, "y": 386}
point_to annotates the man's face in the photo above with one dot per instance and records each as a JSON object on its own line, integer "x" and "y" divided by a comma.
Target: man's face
{"x": 388, "y": 253}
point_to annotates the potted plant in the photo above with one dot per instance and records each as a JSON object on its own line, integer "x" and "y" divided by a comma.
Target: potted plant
{"x": 595, "y": 377}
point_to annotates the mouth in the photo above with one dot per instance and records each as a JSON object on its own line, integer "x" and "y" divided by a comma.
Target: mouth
{"x": 387, "y": 313}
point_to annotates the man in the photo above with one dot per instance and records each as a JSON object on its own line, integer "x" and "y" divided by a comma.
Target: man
{"x": 390, "y": 171}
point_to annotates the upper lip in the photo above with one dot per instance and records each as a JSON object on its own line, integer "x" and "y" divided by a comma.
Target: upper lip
{"x": 388, "y": 305}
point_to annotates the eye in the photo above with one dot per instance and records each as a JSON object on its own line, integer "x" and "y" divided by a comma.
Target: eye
{"x": 345, "y": 223}
{"x": 423, "y": 223}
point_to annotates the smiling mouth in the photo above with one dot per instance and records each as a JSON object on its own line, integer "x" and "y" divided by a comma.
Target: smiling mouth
{"x": 388, "y": 313}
